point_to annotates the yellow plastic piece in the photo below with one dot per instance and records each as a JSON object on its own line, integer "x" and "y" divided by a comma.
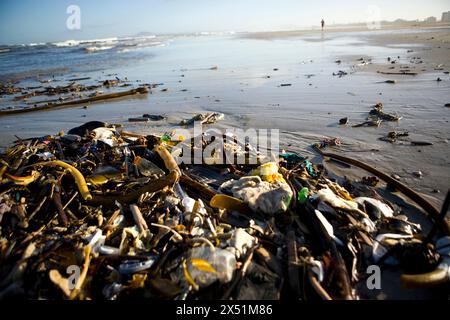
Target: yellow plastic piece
{"x": 79, "y": 179}
{"x": 222, "y": 201}
{"x": 268, "y": 172}
{"x": 23, "y": 181}
{"x": 188, "y": 277}
{"x": 203, "y": 265}
{"x": 3, "y": 170}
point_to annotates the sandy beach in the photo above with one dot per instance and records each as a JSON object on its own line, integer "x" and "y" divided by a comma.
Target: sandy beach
{"x": 199, "y": 151}
{"x": 247, "y": 87}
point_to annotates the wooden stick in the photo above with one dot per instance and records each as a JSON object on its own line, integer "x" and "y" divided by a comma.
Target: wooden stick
{"x": 142, "y": 90}
{"x": 57, "y": 201}
{"x": 399, "y": 73}
{"x": 318, "y": 287}
{"x": 138, "y": 218}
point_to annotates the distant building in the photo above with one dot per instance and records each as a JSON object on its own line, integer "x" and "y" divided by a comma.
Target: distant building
{"x": 445, "y": 16}
{"x": 431, "y": 20}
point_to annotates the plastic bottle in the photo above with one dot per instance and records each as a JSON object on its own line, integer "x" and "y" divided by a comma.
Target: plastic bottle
{"x": 223, "y": 263}
{"x": 146, "y": 167}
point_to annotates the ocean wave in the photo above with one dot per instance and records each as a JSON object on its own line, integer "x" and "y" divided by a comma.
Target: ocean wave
{"x": 140, "y": 46}
{"x": 138, "y": 38}
{"x": 99, "y": 48}
{"x": 36, "y": 44}
{"x": 67, "y": 43}
{"x": 74, "y": 43}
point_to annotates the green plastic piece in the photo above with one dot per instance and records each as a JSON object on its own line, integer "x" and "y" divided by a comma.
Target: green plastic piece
{"x": 303, "y": 195}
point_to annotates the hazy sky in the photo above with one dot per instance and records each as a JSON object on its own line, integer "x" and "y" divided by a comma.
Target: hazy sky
{"x": 25, "y": 21}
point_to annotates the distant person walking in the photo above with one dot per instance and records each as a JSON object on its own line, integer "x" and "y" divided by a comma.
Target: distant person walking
{"x": 322, "y": 23}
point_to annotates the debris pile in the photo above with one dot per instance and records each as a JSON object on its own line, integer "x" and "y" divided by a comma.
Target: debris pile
{"x": 66, "y": 95}
{"x": 101, "y": 213}
{"x": 377, "y": 116}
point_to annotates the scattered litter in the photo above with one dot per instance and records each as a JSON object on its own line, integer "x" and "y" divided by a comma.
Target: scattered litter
{"x": 340, "y": 73}
{"x": 207, "y": 118}
{"x": 117, "y": 206}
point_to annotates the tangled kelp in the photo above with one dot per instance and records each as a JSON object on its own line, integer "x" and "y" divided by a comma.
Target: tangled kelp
{"x": 100, "y": 213}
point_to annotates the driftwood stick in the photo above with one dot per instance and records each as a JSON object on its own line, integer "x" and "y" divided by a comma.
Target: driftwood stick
{"x": 399, "y": 73}
{"x": 107, "y": 96}
{"x": 138, "y": 218}
{"x": 59, "y": 207}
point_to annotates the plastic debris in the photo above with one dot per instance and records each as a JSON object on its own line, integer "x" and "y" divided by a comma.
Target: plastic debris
{"x": 116, "y": 206}
{"x": 269, "y": 198}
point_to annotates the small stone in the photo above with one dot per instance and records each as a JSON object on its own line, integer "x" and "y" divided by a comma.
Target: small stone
{"x": 436, "y": 191}
{"x": 395, "y": 176}
{"x": 343, "y": 120}
{"x": 418, "y": 174}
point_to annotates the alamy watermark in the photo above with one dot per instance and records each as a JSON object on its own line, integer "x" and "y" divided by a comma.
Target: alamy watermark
{"x": 373, "y": 282}
{"x": 229, "y": 146}
{"x": 73, "y": 22}
{"x": 74, "y": 275}
{"x": 373, "y": 17}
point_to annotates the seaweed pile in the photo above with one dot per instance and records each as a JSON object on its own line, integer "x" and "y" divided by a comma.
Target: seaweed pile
{"x": 99, "y": 213}
{"x": 72, "y": 93}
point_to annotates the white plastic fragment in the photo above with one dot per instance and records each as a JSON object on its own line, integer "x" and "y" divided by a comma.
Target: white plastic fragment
{"x": 317, "y": 268}
{"x": 260, "y": 195}
{"x": 240, "y": 242}
{"x": 379, "y": 250}
{"x": 328, "y": 227}
{"x": 328, "y": 196}
{"x": 384, "y": 208}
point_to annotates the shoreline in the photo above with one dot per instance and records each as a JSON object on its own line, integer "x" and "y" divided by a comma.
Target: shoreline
{"x": 280, "y": 34}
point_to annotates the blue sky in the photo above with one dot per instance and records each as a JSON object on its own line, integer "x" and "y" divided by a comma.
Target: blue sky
{"x": 25, "y": 21}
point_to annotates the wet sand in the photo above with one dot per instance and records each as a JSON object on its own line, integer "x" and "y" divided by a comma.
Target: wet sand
{"x": 246, "y": 87}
